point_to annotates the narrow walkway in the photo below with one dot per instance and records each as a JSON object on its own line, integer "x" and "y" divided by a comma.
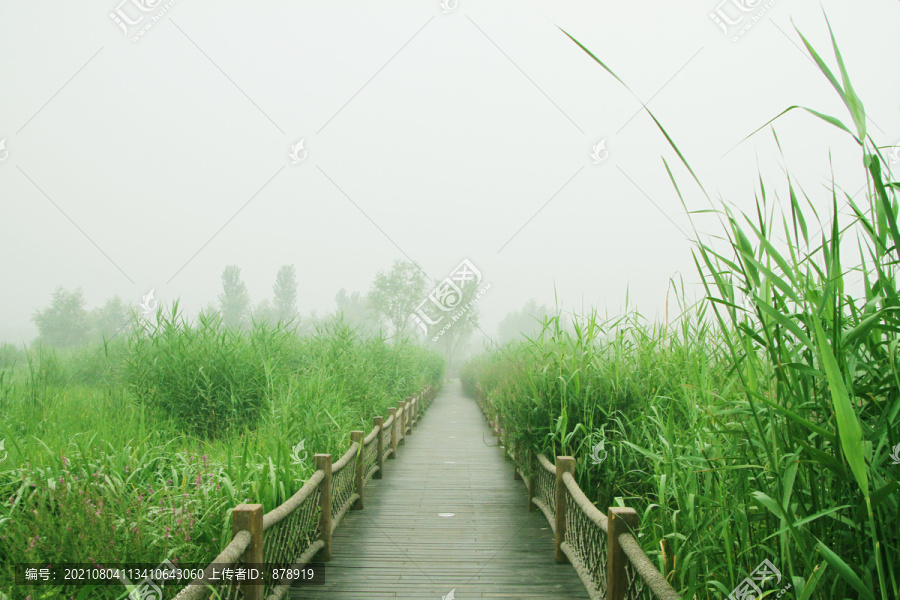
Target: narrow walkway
{"x": 400, "y": 547}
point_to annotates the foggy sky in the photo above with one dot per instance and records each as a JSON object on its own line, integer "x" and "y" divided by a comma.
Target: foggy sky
{"x": 431, "y": 136}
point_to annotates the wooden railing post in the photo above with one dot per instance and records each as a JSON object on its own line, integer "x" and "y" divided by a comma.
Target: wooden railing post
{"x": 379, "y": 423}
{"x": 393, "y": 413}
{"x": 620, "y": 520}
{"x": 249, "y": 517}
{"x": 411, "y": 408}
{"x": 564, "y": 464}
{"x": 323, "y": 463}
{"x": 409, "y": 413}
{"x": 516, "y": 475}
{"x": 532, "y": 475}
{"x": 357, "y": 437}
{"x": 404, "y": 415}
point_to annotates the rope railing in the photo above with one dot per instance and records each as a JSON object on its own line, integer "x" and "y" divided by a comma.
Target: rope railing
{"x": 291, "y": 531}
{"x": 232, "y": 553}
{"x": 645, "y": 582}
{"x": 344, "y": 491}
{"x": 370, "y": 458}
{"x": 544, "y": 488}
{"x": 371, "y": 436}
{"x": 585, "y": 538}
{"x": 602, "y": 548}
{"x": 390, "y": 449}
{"x": 301, "y": 528}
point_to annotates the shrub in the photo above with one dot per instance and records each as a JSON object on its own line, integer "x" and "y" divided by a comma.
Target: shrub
{"x": 205, "y": 375}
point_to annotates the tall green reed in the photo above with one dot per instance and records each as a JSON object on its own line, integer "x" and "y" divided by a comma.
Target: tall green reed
{"x": 106, "y": 473}
{"x": 760, "y": 425}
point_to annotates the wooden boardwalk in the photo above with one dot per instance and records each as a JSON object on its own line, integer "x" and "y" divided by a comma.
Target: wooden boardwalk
{"x": 400, "y": 546}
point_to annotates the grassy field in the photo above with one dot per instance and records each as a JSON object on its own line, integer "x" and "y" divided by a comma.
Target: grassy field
{"x": 759, "y": 424}
{"x": 134, "y": 451}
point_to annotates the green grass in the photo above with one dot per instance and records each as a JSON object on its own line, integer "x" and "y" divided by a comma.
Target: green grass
{"x": 759, "y": 425}
{"x": 117, "y": 453}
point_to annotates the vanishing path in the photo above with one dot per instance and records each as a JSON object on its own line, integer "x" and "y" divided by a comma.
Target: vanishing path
{"x": 399, "y": 546}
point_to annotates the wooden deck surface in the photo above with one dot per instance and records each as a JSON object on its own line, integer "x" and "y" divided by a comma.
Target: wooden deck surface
{"x": 399, "y": 546}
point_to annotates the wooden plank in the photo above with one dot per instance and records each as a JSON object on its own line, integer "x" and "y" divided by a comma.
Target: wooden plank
{"x": 398, "y": 546}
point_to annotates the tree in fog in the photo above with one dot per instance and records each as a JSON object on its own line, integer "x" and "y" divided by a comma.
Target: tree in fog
{"x": 263, "y": 311}
{"x": 109, "y": 319}
{"x": 526, "y": 322}
{"x": 65, "y": 322}
{"x": 457, "y": 333}
{"x": 285, "y": 288}
{"x": 396, "y": 293}
{"x": 309, "y": 324}
{"x": 9, "y": 356}
{"x": 354, "y": 310}
{"x": 234, "y": 301}
{"x": 209, "y": 310}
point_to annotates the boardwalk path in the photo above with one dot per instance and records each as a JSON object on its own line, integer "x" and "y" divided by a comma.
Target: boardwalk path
{"x": 398, "y": 546}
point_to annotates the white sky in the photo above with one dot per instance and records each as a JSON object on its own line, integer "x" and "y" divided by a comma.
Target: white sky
{"x": 433, "y": 135}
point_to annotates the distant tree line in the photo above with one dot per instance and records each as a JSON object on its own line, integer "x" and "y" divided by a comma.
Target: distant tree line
{"x": 387, "y": 308}
{"x": 67, "y": 322}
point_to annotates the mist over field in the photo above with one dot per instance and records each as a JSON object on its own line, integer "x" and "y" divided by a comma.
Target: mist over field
{"x": 654, "y": 244}
{"x": 431, "y": 137}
